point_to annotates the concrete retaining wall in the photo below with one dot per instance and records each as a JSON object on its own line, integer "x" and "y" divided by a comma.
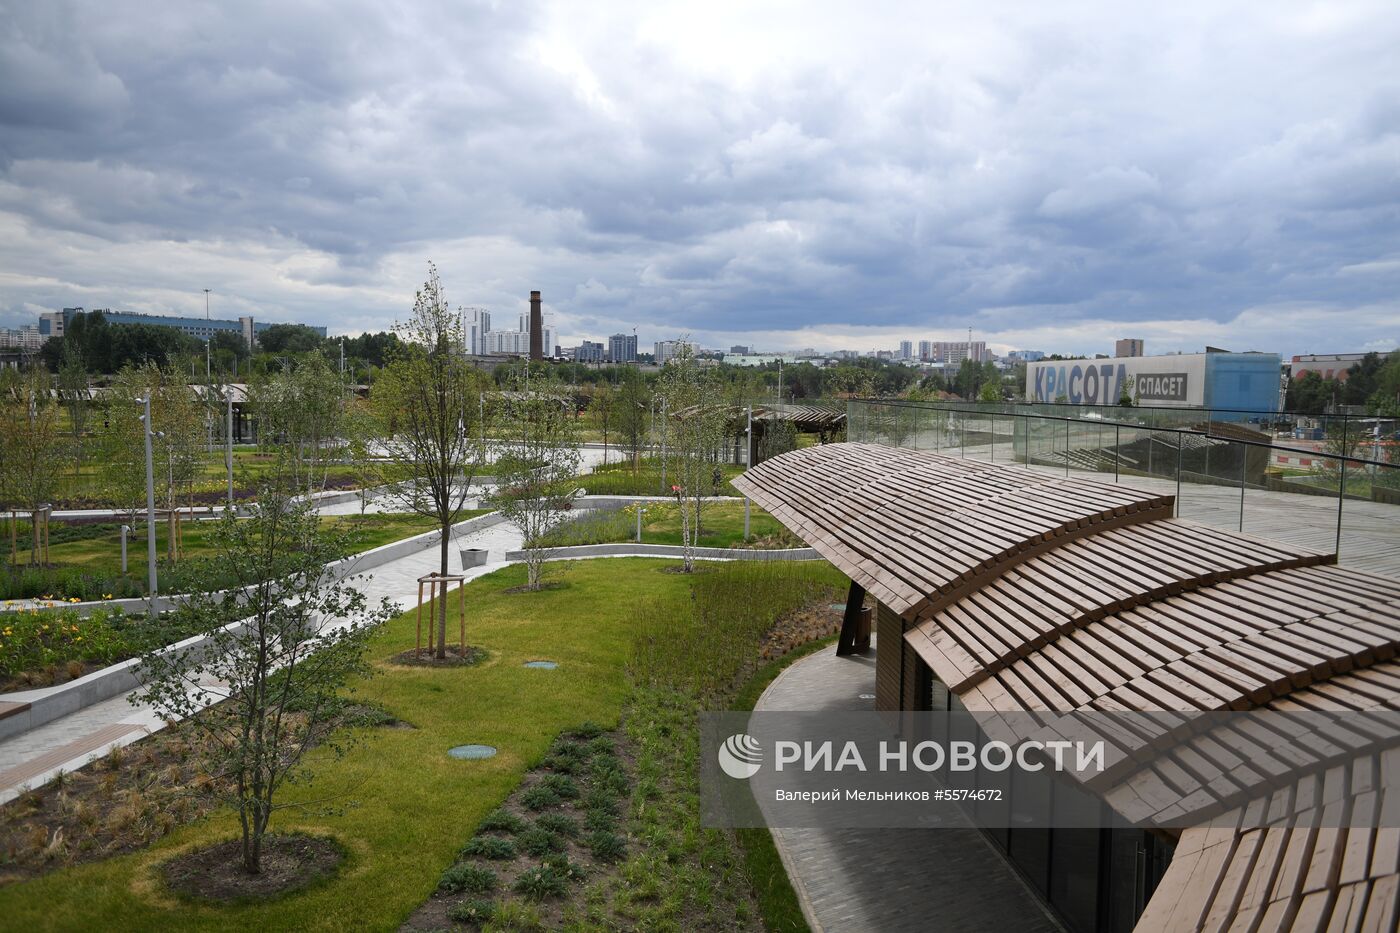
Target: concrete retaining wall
{"x": 632, "y": 549}
{"x": 50, "y": 703}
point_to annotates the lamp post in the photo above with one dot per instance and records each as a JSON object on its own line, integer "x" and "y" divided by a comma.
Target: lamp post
{"x": 748, "y": 462}
{"x": 206, "y": 304}
{"x": 150, "y": 505}
{"x": 228, "y": 445}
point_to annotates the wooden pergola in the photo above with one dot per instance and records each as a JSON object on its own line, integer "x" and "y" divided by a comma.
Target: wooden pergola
{"x": 1024, "y": 592}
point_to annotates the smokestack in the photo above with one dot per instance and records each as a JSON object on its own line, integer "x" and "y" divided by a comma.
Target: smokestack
{"x": 536, "y": 328}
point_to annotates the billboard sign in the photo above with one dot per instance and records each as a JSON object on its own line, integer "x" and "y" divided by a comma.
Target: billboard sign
{"x": 1156, "y": 380}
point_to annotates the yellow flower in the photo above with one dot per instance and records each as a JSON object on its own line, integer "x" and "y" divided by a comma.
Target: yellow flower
{"x": 74, "y": 599}
{"x": 106, "y": 595}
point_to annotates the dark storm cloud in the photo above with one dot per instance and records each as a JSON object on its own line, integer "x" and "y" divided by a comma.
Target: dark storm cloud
{"x": 759, "y": 168}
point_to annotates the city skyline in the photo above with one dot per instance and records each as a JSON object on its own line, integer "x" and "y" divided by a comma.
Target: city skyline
{"x": 1045, "y": 176}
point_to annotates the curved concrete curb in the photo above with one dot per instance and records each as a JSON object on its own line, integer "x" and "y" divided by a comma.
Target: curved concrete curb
{"x": 32, "y": 708}
{"x": 632, "y": 549}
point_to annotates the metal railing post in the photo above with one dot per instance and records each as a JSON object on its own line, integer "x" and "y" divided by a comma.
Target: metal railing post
{"x": 1116, "y": 450}
{"x": 1244, "y": 463}
{"x": 1066, "y": 447}
{"x": 1178, "y": 473}
{"x": 1341, "y": 498}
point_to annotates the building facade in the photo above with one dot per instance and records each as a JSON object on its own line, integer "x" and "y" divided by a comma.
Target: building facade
{"x": 622, "y": 348}
{"x": 25, "y": 337}
{"x": 1326, "y": 365}
{"x": 54, "y": 323}
{"x": 589, "y": 351}
{"x": 906, "y": 349}
{"x": 477, "y": 324}
{"x": 1247, "y": 382}
{"x": 670, "y": 349}
{"x": 1128, "y": 346}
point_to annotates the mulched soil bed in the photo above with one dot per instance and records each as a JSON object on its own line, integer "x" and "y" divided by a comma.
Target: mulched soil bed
{"x": 120, "y": 802}
{"x": 289, "y": 863}
{"x": 798, "y": 628}
{"x": 50, "y": 676}
{"x": 413, "y": 657}
{"x": 537, "y": 851}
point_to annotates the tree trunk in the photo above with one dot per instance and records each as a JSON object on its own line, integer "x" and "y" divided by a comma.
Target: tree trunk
{"x": 442, "y": 601}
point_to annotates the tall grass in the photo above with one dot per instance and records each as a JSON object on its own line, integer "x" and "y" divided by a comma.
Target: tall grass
{"x": 708, "y": 645}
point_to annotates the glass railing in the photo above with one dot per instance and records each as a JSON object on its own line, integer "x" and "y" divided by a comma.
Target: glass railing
{"x": 1324, "y": 499}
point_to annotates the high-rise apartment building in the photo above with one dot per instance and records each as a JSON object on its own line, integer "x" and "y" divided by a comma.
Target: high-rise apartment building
{"x": 926, "y": 350}
{"x": 906, "y": 349}
{"x": 589, "y": 352}
{"x": 955, "y": 351}
{"x": 622, "y": 348}
{"x": 477, "y": 324}
{"x": 670, "y": 349}
{"x": 1128, "y": 346}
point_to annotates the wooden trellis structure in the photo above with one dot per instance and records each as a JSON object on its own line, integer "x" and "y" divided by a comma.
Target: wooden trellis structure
{"x": 1004, "y": 590}
{"x": 39, "y": 519}
{"x": 438, "y": 585}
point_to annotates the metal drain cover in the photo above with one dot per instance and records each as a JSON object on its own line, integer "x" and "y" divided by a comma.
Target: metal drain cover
{"x": 472, "y": 752}
{"x": 542, "y": 665}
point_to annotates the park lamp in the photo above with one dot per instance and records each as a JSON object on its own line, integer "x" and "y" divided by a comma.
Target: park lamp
{"x": 150, "y": 501}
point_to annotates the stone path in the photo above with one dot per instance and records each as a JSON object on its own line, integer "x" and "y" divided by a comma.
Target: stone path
{"x": 949, "y": 880}
{"x": 34, "y": 757}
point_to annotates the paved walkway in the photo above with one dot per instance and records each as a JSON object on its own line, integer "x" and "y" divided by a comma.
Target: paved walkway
{"x": 34, "y": 757}
{"x": 945, "y": 880}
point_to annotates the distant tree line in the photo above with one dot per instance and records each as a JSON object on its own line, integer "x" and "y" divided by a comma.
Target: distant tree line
{"x": 1373, "y": 382}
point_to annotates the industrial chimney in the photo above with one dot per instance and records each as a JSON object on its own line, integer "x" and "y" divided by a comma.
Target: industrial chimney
{"x": 536, "y": 328}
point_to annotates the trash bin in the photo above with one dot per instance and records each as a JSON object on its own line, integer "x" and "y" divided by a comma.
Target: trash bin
{"x": 473, "y": 557}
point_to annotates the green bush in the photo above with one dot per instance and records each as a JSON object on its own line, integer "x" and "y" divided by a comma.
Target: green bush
{"x": 476, "y": 910}
{"x": 470, "y": 878}
{"x": 34, "y": 639}
{"x": 561, "y": 784}
{"x": 559, "y": 824}
{"x": 540, "y": 883}
{"x": 589, "y": 730}
{"x": 492, "y": 847}
{"x": 606, "y": 846}
{"x": 501, "y": 821}
{"x": 539, "y": 842}
{"x": 599, "y": 821}
{"x": 539, "y": 798}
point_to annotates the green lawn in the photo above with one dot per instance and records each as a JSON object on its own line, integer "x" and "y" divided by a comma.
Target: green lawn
{"x": 408, "y": 807}
{"x": 721, "y": 524}
{"x": 89, "y": 566}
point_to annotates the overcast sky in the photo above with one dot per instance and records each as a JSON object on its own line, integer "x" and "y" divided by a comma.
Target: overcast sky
{"x": 795, "y": 174}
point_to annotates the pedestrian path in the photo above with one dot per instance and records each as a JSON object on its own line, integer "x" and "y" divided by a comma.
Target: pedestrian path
{"x": 34, "y": 757}
{"x": 857, "y": 880}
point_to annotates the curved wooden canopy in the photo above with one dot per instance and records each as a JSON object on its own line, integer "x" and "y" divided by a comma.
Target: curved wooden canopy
{"x": 1026, "y": 592}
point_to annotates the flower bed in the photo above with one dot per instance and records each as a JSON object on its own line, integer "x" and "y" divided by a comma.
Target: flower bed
{"x": 41, "y": 647}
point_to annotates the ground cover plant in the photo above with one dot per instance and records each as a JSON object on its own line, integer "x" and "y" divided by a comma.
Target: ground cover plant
{"x": 529, "y": 858}
{"x": 407, "y": 808}
{"x": 39, "y": 648}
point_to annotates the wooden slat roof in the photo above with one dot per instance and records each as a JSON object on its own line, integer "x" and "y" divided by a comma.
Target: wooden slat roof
{"x": 1035, "y": 593}
{"x": 918, "y": 529}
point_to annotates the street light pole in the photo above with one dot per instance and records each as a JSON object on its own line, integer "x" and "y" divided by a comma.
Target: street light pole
{"x": 206, "y": 304}
{"x": 150, "y": 506}
{"x": 228, "y": 447}
{"x": 748, "y": 462}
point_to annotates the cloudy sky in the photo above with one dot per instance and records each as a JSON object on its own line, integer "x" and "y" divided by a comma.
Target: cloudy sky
{"x": 784, "y": 174}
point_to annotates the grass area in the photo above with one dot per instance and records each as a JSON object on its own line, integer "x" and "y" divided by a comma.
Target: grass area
{"x": 619, "y": 479}
{"x": 722, "y": 525}
{"x": 627, "y": 637}
{"x": 85, "y": 560}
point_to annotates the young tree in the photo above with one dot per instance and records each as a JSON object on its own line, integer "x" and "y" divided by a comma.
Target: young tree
{"x": 695, "y": 435}
{"x": 633, "y": 412}
{"x": 263, "y": 688}
{"x": 602, "y": 411}
{"x": 301, "y": 414}
{"x": 73, "y": 386}
{"x": 538, "y": 461}
{"x": 177, "y": 419}
{"x": 29, "y": 444}
{"x": 428, "y": 400}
